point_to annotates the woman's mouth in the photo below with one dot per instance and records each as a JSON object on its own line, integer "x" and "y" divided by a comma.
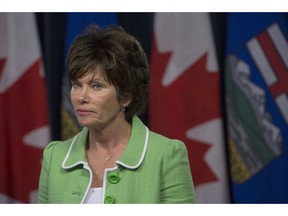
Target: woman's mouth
{"x": 83, "y": 112}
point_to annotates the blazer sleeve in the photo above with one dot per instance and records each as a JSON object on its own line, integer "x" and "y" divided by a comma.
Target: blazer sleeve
{"x": 177, "y": 185}
{"x": 43, "y": 180}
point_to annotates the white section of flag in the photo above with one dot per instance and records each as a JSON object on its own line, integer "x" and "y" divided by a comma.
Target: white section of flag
{"x": 262, "y": 61}
{"x": 188, "y": 36}
{"x": 38, "y": 138}
{"x": 211, "y": 132}
{"x": 17, "y": 46}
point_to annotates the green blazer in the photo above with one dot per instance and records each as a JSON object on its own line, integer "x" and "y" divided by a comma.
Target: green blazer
{"x": 153, "y": 169}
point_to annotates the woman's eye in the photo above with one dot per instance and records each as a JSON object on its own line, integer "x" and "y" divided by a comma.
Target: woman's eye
{"x": 76, "y": 85}
{"x": 97, "y": 86}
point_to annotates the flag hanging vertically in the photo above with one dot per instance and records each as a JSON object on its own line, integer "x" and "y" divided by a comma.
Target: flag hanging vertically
{"x": 24, "y": 129}
{"x": 256, "y": 80}
{"x": 76, "y": 24}
{"x": 185, "y": 98}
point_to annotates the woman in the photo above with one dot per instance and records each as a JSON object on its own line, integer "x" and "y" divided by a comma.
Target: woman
{"x": 115, "y": 158}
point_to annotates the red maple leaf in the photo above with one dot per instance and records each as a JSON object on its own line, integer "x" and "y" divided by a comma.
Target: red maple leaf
{"x": 2, "y": 63}
{"x": 23, "y": 109}
{"x": 189, "y": 101}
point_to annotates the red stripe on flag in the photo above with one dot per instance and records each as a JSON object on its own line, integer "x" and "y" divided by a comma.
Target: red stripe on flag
{"x": 276, "y": 63}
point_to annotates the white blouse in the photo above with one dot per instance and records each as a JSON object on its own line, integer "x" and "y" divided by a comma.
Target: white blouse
{"x": 94, "y": 196}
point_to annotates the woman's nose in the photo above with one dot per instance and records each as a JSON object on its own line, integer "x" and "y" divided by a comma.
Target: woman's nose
{"x": 83, "y": 95}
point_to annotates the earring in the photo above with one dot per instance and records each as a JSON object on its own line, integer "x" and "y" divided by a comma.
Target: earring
{"x": 123, "y": 108}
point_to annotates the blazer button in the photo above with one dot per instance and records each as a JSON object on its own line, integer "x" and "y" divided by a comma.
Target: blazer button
{"x": 113, "y": 178}
{"x": 110, "y": 200}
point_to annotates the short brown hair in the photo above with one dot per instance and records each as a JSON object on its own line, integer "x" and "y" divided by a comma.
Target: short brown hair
{"x": 122, "y": 59}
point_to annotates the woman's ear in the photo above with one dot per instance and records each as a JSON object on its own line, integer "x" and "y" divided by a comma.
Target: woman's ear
{"x": 125, "y": 104}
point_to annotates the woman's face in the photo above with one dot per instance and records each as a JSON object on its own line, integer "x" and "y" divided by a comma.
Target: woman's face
{"x": 95, "y": 102}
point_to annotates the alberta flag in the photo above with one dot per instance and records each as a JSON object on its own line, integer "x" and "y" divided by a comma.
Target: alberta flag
{"x": 256, "y": 80}
{"x": 24, "y": 126}
{"x": 76, "y": 24}
{"x": 185, "y": 98}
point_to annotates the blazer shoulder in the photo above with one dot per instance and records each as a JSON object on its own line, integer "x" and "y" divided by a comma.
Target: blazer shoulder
{"x": 163, "y": 141}
{"x": 58, "y": 146}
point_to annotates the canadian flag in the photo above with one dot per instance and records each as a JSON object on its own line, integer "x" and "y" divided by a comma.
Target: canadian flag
{"x": 24, "y": 130}
{"x": 185, "y": 98}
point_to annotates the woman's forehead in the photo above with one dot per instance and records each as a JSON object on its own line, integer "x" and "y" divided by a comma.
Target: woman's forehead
{"x": 96, "y": 74}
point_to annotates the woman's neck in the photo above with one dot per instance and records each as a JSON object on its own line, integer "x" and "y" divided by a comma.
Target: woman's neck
{"x": 109, "y": 138}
